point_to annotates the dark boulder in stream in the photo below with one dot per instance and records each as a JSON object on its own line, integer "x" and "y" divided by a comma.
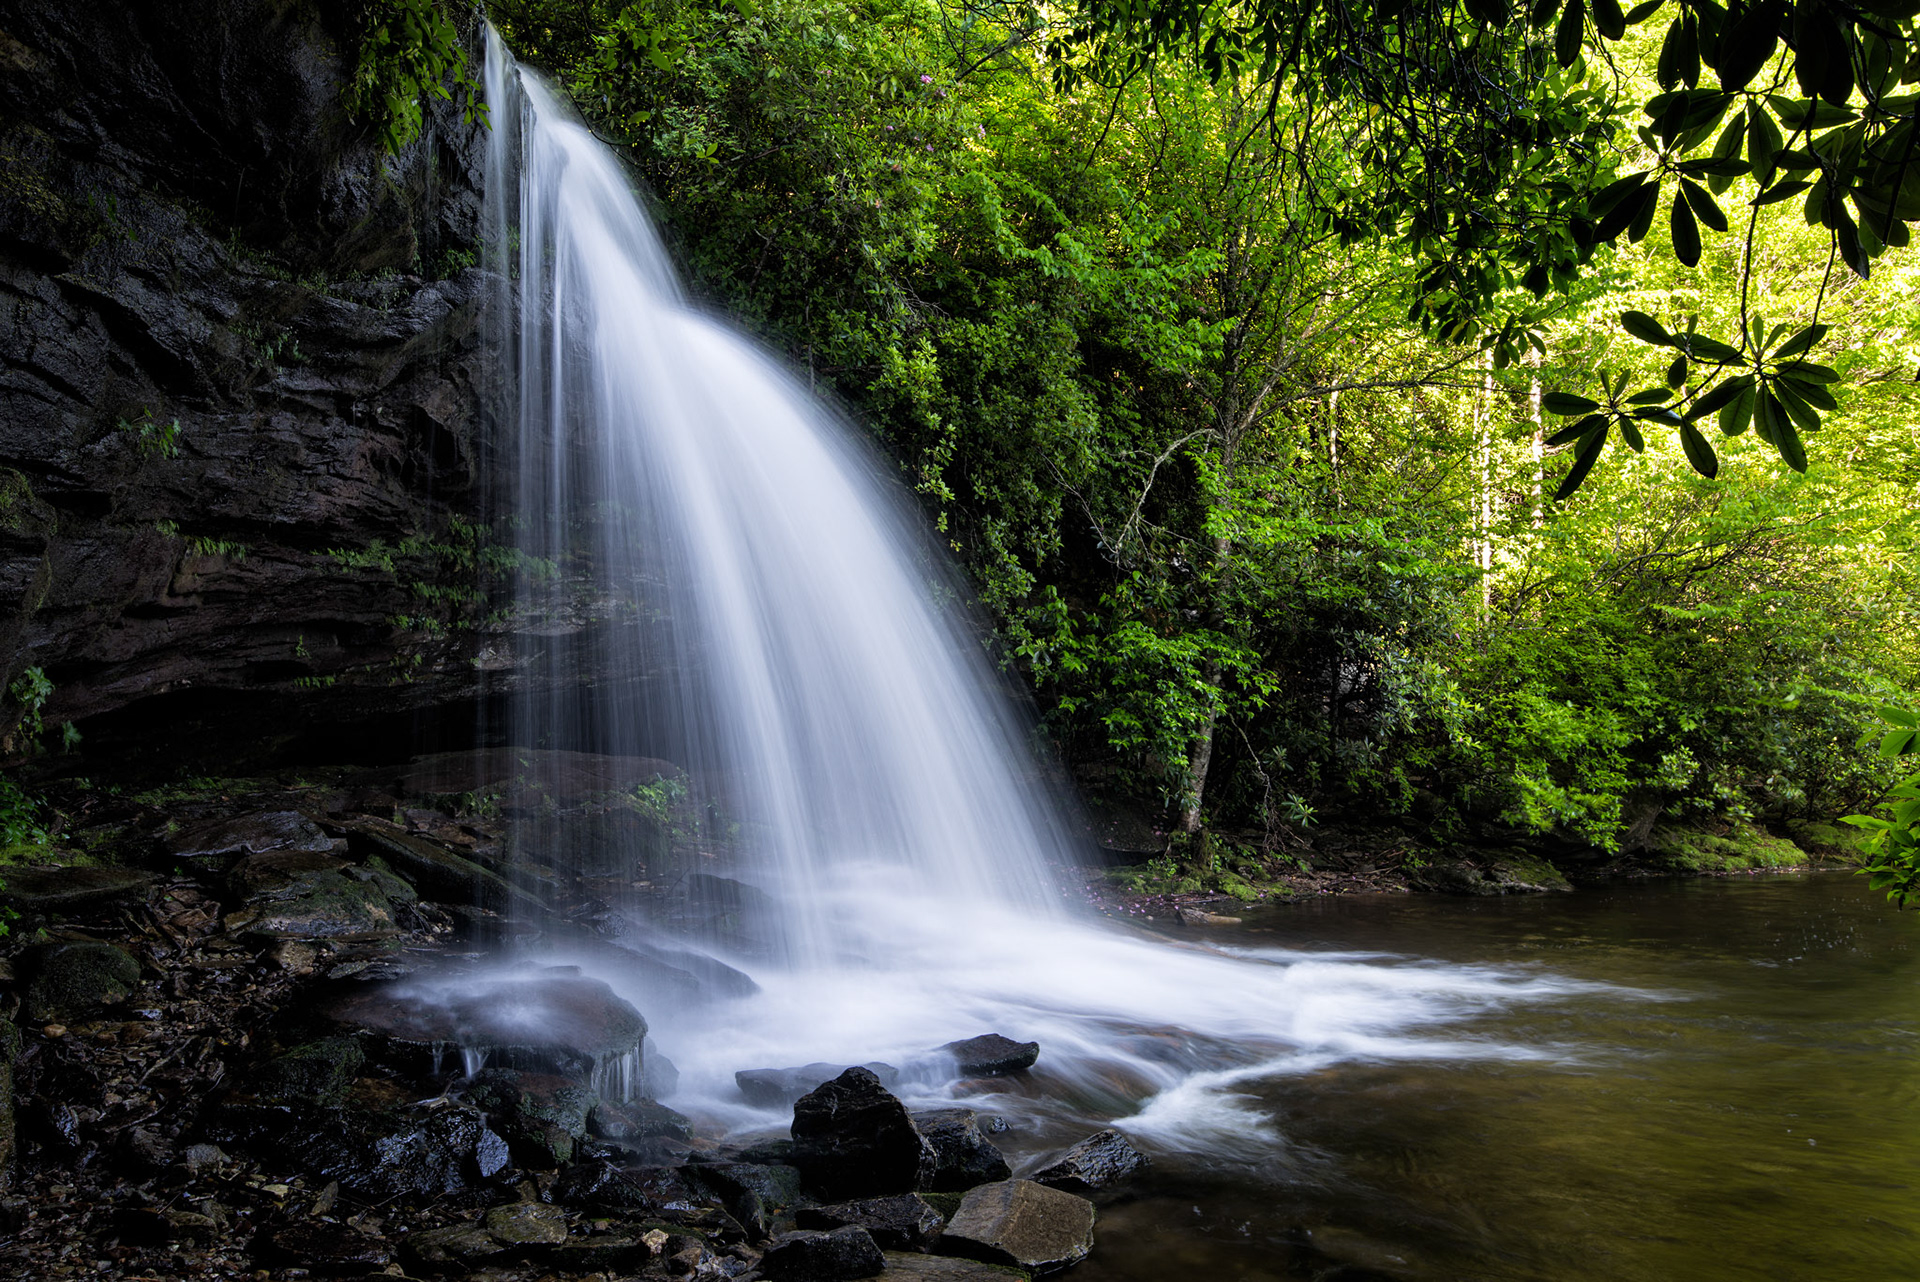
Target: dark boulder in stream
{"x": 991, "y": 1055}
{"x": 853, "y": 1138}
{"x": 1098, "y": 1162}
{"x": 963, "y": 1157}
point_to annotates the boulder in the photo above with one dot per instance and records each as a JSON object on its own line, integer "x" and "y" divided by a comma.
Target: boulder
{"x": 215, "y": 845}
{"x": 389, "y": 1155}
{"x": 808, "y": 1256}
{"x": 444, "y": 875}
{"x": 991, "y": 1055}
{"x": 852, "y": 1138}
{"x": 641, "y": 1119}
{"x": 542, "y": 1020}
{"x": 318, "y": 1073}
{"x": 304, "y": 895}
{"x": 751, "y": 1192}
{"x": 1100, "y": 1161}
{"x": 963, "y": 1157}
{"x": 903, "y": 1222}
{"x": 455, "y": 1244}
{"x": 72, "y": 981}
{"x": 775, "y": 1087}
{"x": 667, "y": 1192}
{"x": 1022, "y": 1225}
{"x": 327, "y": 1248}
{"x": 526, "y": 1224}
{"x": 540, "y": 1115}
{"x": 60, "y": 891}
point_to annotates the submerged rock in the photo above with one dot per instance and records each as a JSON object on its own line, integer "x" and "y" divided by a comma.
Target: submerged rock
{"x": 72, "y": 981}
{"x": 852, "y": 1138}
{"x": 990, "y": 1055}
{"x": 963, "y": 1157}
{"x": 905, "y": 1222}
{"x": 809, "y": 1256}
{"x": 772, "y": 1087}
{"x": 1100, "y": 1161}
{"x": 1021, "y": 1224}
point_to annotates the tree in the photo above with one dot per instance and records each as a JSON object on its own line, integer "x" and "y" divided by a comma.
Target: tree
{"x": 1487, "y": 139}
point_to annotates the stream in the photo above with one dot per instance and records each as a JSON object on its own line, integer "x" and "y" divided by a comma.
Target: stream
{"x": 1732, "y": 1093}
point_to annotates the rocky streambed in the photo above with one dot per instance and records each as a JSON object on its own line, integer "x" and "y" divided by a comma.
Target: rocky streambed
{"x": 284, "y": 1034}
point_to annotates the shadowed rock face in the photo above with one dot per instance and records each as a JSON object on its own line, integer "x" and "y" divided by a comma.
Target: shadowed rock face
{"x": 234, "y": 336}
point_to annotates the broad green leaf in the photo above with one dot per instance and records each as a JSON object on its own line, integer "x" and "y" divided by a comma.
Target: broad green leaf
{"x": 1686, "y": 232}
{"x": 1569, "y": 33}
{"x": 1645, "y": 328}
{"x": 1583, "y": 460}
{"x": 1704, "y": 205}
{"x": 1567, "y": 403}
{"x": 1737, "y": 414}
{"x": 1747, "y": 44}
{"x": 1721, "y": 394}
{"x": 1573, "y": 432}
{"x": 1699, "y": 453}
{"x": 1801, "y": 341}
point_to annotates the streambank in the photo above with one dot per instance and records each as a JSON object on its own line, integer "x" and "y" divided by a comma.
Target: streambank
{"x": 220, "y": 1062}
{"x": 1148, "y": 879}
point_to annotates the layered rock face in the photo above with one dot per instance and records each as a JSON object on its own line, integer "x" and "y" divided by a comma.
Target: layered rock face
{"x": 241, "y": 367}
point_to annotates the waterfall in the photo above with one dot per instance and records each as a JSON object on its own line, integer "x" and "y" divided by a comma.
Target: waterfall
{"x": 748, "y": 592}
{"x": 821, "y": 666}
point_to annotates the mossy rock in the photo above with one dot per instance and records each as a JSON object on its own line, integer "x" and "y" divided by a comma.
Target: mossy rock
{"x": 73, "y": 980}
{"x": 1741, "y": 849}
{"x": 1829, "y": 840}
{"x": 320, "y": 1072}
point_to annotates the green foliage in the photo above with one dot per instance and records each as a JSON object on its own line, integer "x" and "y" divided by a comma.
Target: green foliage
{"x": 408, "y": 52}
{"x": 1489, "y": 141}
{"x": 152, "y": 438}
{"x": 29, "y": 694}
{"x": 1890, "y": 857}
{"x": 1229, "y": 394}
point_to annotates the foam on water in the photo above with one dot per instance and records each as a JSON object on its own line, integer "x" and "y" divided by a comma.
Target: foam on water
{"x": 770, "y": 606}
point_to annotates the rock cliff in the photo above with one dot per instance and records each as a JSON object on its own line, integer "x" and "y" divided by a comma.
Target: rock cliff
{"x": 240, "y": 370}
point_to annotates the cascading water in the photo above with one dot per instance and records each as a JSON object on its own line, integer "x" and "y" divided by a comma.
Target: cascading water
{"x": 766, "y": 609}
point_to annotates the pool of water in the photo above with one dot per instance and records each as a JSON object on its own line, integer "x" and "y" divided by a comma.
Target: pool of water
{"x": 1729, "y": 1090}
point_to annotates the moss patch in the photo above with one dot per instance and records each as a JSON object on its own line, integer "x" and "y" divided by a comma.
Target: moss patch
{"x": 1741, "y": 848}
